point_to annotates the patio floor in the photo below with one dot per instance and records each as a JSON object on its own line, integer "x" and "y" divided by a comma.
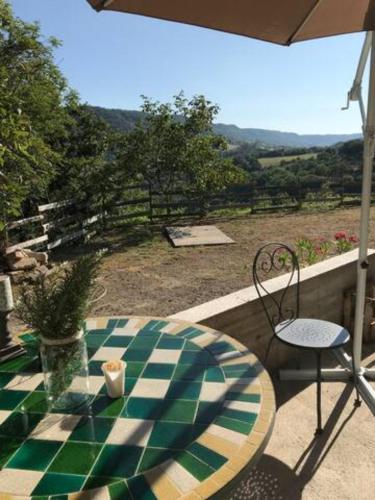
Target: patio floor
{"x": 337, "y": 465}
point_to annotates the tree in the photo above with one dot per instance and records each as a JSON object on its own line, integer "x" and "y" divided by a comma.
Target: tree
{"x": 174, "y": 147}
{"x": 32, "y": 114}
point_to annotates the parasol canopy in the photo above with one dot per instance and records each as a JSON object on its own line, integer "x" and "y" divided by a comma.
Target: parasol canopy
{"x": 278, "y": 21}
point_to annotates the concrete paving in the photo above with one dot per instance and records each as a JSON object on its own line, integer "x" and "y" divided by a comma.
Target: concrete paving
{"x": 338, "y": 465}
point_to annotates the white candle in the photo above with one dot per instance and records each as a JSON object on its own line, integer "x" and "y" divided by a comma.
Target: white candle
{"x": 6, "y": 297}
{"x": 114, "y": 374}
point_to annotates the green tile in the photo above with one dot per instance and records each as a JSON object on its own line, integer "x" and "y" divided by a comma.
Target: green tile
{"x": 239, "y": 396}
{"x": 100, "y": 331}
{"x": 10, "y": 399}
{"x": 35, "y": 454}
{"x": 144, "y": 343}
{"x": 234, "y": 425}
{"x": 239, "y": 371}
{"x": 134, "y": 369}
{"x": 5, "y": 378}
{"x": 197, "y": 358}
{"x": 117, "y": 461}
{"x": 140, "y": 488}
{"x": 158, "y": 371}
{"x": 35, "y": 402}
{"x": 26, "y": 363}
{"x": 208, "y": 411}
{"x": 171, "y": 435}
{"x": 190, "y": 346}
{"x": 95, "y": 367}
{"x": 169, "y": 342}
{"x": 55, "y": 484}
{"x": 118, "y": 341}
{"x": 184, "y": 390}
{"x": 20, "y": 424}
{"x": 129, "y": 385}
{"x": 214, "y": 374}
{"x": 243, "y": 416}
{"x": 93, "y": 482}
{"x": 146, "y": 408}
{"x": 119, "y": 491}
{"x": 137, "y": 354}
{"x": 112, "y": 323}
{"x": 220, "y": 347}
{"x": 206, "y": 455}
{"x": 190, "y": 332}
{"x": 198, "y": 469}
{"x": 104, "y": 406}
{"x": 75, "y": 458}
{"x": 8, "y": 446}
{"x": 178, "y": 411}
{"x": 153, "y": 457}
{"x": 94, "y": 340}
{"x": 155, "y": 325}
{"x": 189, "y": 372}
{"x": 122, "y": 323}
{"x": 92, "y": 429}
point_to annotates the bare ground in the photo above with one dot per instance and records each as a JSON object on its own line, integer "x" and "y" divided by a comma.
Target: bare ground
{"x": 144, "y": 274}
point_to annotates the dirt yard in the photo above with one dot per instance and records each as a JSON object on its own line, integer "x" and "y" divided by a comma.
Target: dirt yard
{"x": 144, "y": 274}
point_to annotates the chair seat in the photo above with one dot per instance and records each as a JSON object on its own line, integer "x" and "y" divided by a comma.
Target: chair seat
{"x": 312, "y": 333}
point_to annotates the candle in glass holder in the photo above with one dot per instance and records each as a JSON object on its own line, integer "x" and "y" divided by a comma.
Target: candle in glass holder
{"x": 6, "y": 297}
{"x": 114, "y": 374}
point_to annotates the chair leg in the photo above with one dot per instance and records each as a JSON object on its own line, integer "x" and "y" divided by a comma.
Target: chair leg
{"x": 319, "y": 428}
{"x": 268, "y": 350}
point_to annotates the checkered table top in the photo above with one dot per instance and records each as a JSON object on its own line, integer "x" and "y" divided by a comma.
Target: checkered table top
{"x": 198, "y": 409}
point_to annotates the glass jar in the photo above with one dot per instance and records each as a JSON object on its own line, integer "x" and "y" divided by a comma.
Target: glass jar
{"x": 65, "y": 369}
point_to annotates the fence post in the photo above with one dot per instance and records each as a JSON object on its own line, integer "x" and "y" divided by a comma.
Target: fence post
{"x": 150, "y": 216}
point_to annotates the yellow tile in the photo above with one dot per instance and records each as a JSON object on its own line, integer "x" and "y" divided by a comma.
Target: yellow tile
{"x": 255, "y": 438}
{"x": 248, "y": 450}
{"x": 237, "y": 463}
{"x": 161, "y": 486}
{"x": 218, "y": 444}
{"x": 245, "y": 388}
{"x": 223, "y": 476}
{"x": 207, "y": 488}
{"x": 262, "y": 426}
{"x": 190, "y": 496}
{"x": 101, "y": 322}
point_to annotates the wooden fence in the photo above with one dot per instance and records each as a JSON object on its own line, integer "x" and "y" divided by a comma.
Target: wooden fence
{"x": 62, "y": 222}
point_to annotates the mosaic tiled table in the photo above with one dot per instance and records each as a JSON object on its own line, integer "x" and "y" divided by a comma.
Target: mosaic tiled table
{"x": 197, "y": 412}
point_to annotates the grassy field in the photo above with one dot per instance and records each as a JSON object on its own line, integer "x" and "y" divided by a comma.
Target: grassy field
{"x": 273, "y": 162}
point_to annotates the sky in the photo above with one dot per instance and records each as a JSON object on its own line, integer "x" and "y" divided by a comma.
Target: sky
{"x": 111, "y": 59}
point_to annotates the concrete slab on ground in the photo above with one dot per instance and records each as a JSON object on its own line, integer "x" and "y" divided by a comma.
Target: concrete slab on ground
{"x": 184, "y": 236}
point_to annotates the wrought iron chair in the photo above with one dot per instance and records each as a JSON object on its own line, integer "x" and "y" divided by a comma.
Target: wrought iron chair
{"x": 283, "y": 311}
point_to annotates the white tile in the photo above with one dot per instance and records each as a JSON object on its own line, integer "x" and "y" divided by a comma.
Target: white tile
{"x": 108, "y": 353}
{"x": 213, "y": 391}
{"x": 150, "y": 388}
{"x": 4, "y": 414}
{"x": 25, "y": 382}
{"x": 21, "y": 482}
{"x": 55, "y": 427}
{"x": 95, "y": 384}
{"x": 130, "y": 329}
{"x": 248, "y": 381}
{"x": 229, "y": 435}
{"x": 184, "y": 481}
{"x": 170, "y": 327}
{"x": 129, "y": 431}
{"x": 243, "y": 406}
{"x": 90, "y": 324}
{"x": 97, "y": 494}
{"x": 165, "y": 356}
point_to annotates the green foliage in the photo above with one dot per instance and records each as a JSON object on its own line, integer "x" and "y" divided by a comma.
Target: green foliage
{"x": 55, "y": 306}
{"x": 32, "y": 97}
{"x": 173, "y": 146}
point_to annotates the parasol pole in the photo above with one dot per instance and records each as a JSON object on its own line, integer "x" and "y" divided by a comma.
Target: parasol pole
{"x": 368, "y": 158}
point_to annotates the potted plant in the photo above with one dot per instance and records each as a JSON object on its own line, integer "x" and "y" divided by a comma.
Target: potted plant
{"x": 55, "y": 307}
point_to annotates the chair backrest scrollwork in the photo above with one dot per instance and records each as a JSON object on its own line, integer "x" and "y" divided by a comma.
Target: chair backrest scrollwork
{"x": 271, "y": 260}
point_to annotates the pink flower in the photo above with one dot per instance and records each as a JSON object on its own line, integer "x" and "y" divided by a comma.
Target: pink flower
{"x": 353, "y": 238}
{"x": 340, "y": 235}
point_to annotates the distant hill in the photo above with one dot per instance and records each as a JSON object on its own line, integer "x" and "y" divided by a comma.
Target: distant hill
{"x": 124, "y": 120}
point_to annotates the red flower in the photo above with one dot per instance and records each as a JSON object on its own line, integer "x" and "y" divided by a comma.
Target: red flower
{"x": 353, "y": 238}
{"x": 340, "y": 235}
